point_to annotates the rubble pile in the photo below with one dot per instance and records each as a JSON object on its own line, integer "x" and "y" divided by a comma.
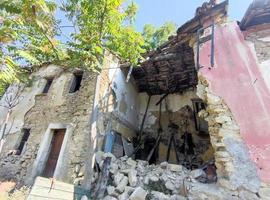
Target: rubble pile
{"x": 137, "y": 180}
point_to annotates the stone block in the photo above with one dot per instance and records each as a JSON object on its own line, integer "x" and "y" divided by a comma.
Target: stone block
{"x": 138, "y": 194}
{"x": 121, "y": 186}
{"x": 117, "y": 178}
{"x": 110, "y": 198}
{"x": 160, "y": 195}
{"x": 246, "y": 195}
{"x": 110, "y": 190}
{"x": 177, "y": 197}
{"x": 154, "y": 178}
{"x": 264, "y": 193}
{"x": 197, "y": 173}
{"x": 131, "y": 163}
{"x": 84, "y": 197}
{"x": 175, "y": 168}
{"x": 169, "y": 185}
{"x": 132, "y": 178}
{"x": 113, "y": 168}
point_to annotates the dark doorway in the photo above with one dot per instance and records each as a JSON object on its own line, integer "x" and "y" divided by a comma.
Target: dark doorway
{"x": 54, "y": 152}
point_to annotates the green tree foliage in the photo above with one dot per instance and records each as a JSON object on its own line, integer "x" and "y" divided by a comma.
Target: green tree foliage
{"x": 103, "y": 24}
{"x": 154, "y": 37}
{"x": 27, "y": 31}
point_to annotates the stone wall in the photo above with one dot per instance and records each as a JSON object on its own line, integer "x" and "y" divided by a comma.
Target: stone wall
{"x": 236, "y": 171}
{"x": 58, "y": 106}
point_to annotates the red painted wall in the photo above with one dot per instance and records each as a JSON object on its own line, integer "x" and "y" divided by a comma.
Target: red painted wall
{"x": 237, "y": 80}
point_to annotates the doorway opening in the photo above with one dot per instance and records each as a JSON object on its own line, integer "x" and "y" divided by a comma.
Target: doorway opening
{"x": 54, "y": 151}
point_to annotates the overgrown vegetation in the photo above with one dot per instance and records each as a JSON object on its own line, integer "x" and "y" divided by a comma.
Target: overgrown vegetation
{"x": 103, "y": 24}
{"x": 27, "y": 38}
{"x": 154, "y": 37}
{"x": 28, "y": 31}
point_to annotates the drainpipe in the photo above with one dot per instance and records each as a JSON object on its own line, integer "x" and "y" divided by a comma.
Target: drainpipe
{"x": 92, "y": 139}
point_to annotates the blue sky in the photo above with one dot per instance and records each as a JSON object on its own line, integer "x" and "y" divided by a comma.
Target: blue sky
{"x": 157, "y": 12}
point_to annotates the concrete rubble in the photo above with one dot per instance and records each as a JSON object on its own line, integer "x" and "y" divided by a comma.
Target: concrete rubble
{"x": 137, "y": 180}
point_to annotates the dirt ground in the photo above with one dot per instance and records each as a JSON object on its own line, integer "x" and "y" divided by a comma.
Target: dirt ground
{"x": 8, "y": 191}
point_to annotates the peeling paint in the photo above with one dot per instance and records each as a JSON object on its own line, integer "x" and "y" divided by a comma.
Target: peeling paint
{"x": 232, "y": 79}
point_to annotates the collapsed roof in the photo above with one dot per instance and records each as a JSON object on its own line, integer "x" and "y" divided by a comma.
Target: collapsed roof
{"x": 258, "y": 13}
{"x": 171, "y": 67}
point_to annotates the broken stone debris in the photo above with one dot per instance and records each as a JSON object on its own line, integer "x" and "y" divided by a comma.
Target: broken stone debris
{"x": 137, "y": 180}
{"x": 138, "y": 194}
{"x": 84, "y": 197}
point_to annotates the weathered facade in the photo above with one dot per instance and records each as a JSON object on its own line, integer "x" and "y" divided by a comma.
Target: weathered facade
{"x": 199, "y": 102}
{"x": 43, "y": 113}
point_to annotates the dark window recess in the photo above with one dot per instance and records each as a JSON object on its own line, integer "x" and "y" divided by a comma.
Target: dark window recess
{"x": 47, "y": 86}
{"x": 26, "y": 133}
{"x": 76, "y": 83}
{"x": 200, "y": 124}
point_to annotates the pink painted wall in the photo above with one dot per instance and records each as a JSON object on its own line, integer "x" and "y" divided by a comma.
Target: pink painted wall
{"x": 236, "y": 78}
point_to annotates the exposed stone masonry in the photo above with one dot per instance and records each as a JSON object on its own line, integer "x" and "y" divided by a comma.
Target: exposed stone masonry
{"x": 73, "y": 109}
{"x": 236, "y": 172}
{"x": 261, "y": 41}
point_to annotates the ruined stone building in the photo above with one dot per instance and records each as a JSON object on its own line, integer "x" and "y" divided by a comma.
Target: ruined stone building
{"x": 201, "y": 100}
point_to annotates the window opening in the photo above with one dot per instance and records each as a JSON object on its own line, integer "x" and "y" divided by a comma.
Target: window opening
{"x": 76, "y": 83}
{"x": 26, "y": 133}
{"x": 47, "y": 86}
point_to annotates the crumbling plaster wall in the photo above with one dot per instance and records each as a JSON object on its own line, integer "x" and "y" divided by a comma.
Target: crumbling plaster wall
{"x": 57, "y": 106}
{"x": 118, "y": 102}
{"x": 27, "y": 101}
{"x": 236, "y": 78}
{"x": 237, "y": 84}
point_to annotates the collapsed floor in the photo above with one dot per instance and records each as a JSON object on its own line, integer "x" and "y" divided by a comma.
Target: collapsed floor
{"x": 210, "y": 167}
